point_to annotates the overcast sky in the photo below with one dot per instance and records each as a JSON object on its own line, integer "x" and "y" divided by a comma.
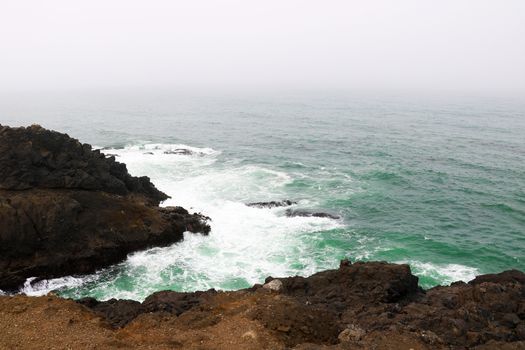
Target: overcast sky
{"x": 453, "y": 45}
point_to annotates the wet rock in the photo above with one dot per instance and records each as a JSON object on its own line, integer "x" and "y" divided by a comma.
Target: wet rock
{"x": 307, "y": 213}
{"x": 272, "y": 204}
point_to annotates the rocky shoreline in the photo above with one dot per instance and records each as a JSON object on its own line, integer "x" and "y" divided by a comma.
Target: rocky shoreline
{"x": 68, "y": 209}
{"x": 373, "y": 305}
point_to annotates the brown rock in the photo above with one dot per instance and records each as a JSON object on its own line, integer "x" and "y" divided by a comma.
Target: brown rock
{"x": 351, "y": 333}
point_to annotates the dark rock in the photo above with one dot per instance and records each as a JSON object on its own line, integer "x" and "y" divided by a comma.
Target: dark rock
{"x": 520, "y": 331}
{"x": 52, "y": 233}
{"x": 510, "y": 320}
{"x": 117, "y": 313}
{"x": 344, "y": 263}
{"x": 272, "y": 204}
{"x": 186, "y": 221}
{"x": 358, "y": 283}
{"x": 307, "y": 213}
{"x": 34, "y": 157}
{"x": 504, "y": 277}
{"x": 180, "y": 151}
{"x": 78, "y": 211}
{"x": 295, "y": 322}
{"x": 467, "y": 315}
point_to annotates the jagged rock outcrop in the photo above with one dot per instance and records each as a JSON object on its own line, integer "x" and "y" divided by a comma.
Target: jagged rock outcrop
{"x": 68, "y": 209}
{"x": 35, "y": 157}
{"x": 309, "y": 213}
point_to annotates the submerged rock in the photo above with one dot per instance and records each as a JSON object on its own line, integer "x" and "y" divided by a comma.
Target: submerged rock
{"x": 272, "y": 204}
{"x": 180, "y": 151}
{"x": 35, "y": 157}
{"x": 67, "y": 209}
{"x": 308, "y": 213}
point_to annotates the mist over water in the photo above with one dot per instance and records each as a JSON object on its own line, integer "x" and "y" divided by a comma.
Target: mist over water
{"x": 461, "y": 46}
{"x": 435, "y": 183}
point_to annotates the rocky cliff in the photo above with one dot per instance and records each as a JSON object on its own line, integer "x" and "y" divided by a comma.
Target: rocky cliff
{"x": 66, "y": 208}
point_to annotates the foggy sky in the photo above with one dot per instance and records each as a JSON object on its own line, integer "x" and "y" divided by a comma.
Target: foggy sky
{"x": 455, "y": 45}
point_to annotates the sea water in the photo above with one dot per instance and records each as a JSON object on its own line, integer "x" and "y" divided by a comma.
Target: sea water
{"x": 437, "y": 183}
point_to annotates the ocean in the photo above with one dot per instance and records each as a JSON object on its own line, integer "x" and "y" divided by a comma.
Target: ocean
{"x": 437, "y": 183}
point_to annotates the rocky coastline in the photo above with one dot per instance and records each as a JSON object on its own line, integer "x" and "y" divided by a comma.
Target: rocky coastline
{"x": 372, "y": 305}
{"x": 68, "y": 209}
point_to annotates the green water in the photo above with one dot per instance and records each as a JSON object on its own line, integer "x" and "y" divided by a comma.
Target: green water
{"x": 436, "y": 183}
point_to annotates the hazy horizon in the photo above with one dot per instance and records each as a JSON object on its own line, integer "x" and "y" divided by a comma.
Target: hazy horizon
{"x": 465, "y": 47}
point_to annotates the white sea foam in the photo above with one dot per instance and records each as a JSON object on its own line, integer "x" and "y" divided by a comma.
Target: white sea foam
{"x": 445, "y": 273}
{"x": 43, "y": 287}
{"x": 246, "y": 244}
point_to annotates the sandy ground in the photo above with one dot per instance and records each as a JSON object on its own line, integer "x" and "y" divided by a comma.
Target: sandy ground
{"x": 53, "y": 323}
